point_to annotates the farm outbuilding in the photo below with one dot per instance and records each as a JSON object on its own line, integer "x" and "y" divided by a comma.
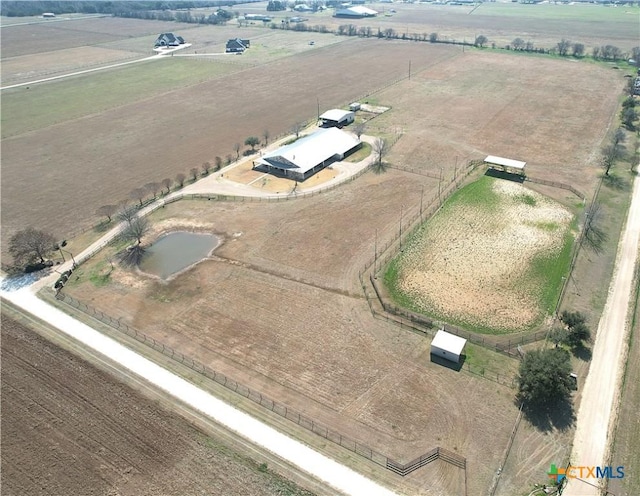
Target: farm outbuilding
{"x": 356, "y": 12}
{"x": 506, "y": 164}
{"x": 337, "y": 118}
{"x": 303, "y": 158}
{"x": 448, "y": 346}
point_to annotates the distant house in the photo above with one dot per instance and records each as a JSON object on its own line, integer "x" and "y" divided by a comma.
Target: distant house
{"x": 237, "y": 45}
{"x": 169, "y": 39}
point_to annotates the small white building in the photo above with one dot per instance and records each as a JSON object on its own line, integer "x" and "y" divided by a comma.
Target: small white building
{"x": 506, "y": 164}
{"x": 448, "y": 346}
{"x": 337, "y": 118}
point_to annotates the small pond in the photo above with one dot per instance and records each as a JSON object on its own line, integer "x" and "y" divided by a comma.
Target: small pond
{"x": 177, "y": 251}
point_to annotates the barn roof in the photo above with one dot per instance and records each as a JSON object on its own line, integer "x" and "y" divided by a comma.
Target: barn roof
{"x": 505, "y": 162}
{"x": 448, "y": 342}
{"x": 307, "y": 152}
{"x": 335, "y": 114}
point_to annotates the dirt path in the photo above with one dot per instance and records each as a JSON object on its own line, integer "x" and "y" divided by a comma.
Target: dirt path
{"x": 600, "y": 392}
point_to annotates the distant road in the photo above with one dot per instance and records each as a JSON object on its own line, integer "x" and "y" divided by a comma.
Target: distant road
{"x": 601, "y": 390}
{"x": 159, "y": 55}
{"x": 42, "y": 20}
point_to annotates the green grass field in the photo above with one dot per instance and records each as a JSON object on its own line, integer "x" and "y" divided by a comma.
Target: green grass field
{"x": 462, "y": 256}
{"x": 39, "y": 106}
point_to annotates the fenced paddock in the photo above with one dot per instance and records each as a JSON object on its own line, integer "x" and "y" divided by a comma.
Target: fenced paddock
{"x": 284, "y": 411}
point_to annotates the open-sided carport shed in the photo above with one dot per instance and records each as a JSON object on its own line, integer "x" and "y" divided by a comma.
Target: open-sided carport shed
{"x": 506, "y": 164}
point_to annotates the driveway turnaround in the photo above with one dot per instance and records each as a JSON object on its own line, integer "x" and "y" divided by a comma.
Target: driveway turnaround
{"x": 338, "y": 476}
{"x": 601, "y": 389}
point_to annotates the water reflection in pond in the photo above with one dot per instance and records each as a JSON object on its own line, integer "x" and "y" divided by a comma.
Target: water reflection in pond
{"x": 177, "y": 251}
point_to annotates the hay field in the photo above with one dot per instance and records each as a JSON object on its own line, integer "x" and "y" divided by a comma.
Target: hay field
{"x": 492, "y": 259}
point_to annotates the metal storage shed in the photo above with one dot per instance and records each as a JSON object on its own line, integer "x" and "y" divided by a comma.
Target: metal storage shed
{"x": 506, "y": 164}
{"x": 448, "y": 346}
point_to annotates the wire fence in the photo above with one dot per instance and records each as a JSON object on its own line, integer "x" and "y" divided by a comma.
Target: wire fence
{"x": 274, "y": 406}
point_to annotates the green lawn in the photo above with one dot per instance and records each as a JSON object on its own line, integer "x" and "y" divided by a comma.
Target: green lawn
{"x": 43, "y": 105}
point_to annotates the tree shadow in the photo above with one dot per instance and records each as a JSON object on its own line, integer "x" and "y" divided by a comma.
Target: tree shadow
{"x": 582, "y": 352}
{"x": 379, "y": 167}
{"x": 556, "y": 414}
{"x": 517, "y": 178}
{"x": 616, "y": 182}
{"x": 594, "y": 238}
{"x": 102, "y": 227}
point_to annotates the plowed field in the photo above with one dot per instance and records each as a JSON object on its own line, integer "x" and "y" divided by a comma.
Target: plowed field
{"x": 71, "y": 429}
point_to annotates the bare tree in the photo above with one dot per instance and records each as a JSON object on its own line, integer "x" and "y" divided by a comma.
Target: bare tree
{"x": 31, "y": 244}
{"x": 252, "y": 141}
{"x": 297, "y": 128}
{"x": 193, "y": 172}
{"x": 359, "y": 128}
{"x": 578, "y": 50}
{"x": 518, "y": 44}
{"x": 614, "y": 151}
{"x": 206, "y": 167}
{"x": 481, "y": 41}
{"x": 229, "y": 158}
{"x": 107, "y": 211}
{"x": 433, "y": 37}
{"x": 218, "y": 162}
{"x": 166, "y": 183}
{"x": 138, "y": 194}
{"x": 380, "y": 149}
{"x": 266, "y": 135}
{"x": 180, "y": 178}
{"x": 563, "y": 47}
{"x": 135, "y": 231}
{"x": 153, "y": 188}
{"x": 236, "y": 148}
{"x": 126, "y": 212}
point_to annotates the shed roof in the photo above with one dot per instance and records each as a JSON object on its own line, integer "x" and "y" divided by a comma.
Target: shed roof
{"x": 361, "y": 9}
{"x": 448, "y": 342}
{"x": 335, "y": 114}
{"x": 505, "y": 162}
{"x": 307, "y": 152}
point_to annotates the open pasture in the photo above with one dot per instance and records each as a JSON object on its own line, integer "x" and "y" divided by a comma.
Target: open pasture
{"x": 491, "y": 259}
{"x": 102, "y": 155}
{"x": 278, "y": 308}
{"x": 526, "y": 108}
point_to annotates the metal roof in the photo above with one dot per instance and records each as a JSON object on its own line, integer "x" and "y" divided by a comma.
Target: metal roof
{"x": 448, "y": 342}
{"x": 307, "y": 152}
{"x": 505, "y": 162}
{"x": 335, "y": 114}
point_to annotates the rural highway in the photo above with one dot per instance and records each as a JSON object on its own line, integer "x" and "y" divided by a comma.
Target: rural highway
{"x": 339, "y": 477}
{"x": 600, "y": 395}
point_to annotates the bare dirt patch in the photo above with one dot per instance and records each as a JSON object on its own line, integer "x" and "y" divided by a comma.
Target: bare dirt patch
{"x": 69, "y": 428}
{"x": 472, "y": 262}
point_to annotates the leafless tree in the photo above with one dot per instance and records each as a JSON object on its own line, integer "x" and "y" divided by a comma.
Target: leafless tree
{"x": 206, "y": 168}
{"x": 380, "y": 149}
{"x": 180, "y": 178}
{"x": 517, "y": 44}
{"x": 218, "y": 162}
{"x": 153, "y": 188}
{"x": 229, "y": 158}
{"x": 107, "y": 211}
{"x": 359, "y": 128}
{"x": 126, "y": 212}
{"x": 166, "y": 183}
{"x": 594, "y": 235}
{"x": 236, "y": 148}
{"x": 135, "y": 231}
{"x": 481, "y": 41}
{"x": 297, "y": 128}
{"x": 266, "y": 135}
{"x": 138, "y": 194}
{"x": 563, "y": 47}
{"x": 31, "y": 244}
{"x": 193, "y": 172}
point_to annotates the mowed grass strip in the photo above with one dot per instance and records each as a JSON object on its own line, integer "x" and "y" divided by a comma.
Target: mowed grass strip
{"x": 43, "y": 105}
{"x": 492, "y": 259}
